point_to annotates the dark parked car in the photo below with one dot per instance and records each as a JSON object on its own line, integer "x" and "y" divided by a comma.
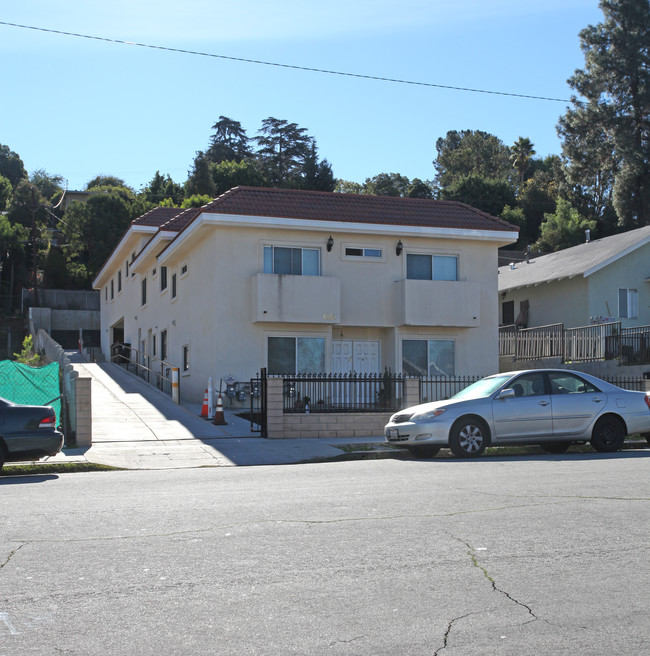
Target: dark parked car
{"x": 27, "y": 432}
{"x": 552, "y": 408}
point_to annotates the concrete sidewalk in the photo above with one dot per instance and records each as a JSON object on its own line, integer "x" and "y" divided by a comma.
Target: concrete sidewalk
{"x": 137, "y": 427}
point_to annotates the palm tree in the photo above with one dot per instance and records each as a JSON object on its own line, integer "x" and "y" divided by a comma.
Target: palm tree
{"x": 521, "y": 152}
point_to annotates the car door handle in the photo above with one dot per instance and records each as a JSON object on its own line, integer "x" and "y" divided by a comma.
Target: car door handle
{"x": 597, "y": 400}
{"x": 543, "y": 402}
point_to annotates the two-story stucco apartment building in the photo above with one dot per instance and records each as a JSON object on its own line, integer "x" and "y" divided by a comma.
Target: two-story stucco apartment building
{"x": 302, "y": 281}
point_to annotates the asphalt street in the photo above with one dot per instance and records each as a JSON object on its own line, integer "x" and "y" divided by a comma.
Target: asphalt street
{"x": 511, "y": 556}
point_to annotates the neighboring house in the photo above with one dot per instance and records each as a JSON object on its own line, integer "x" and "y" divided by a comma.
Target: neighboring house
{"x": 599, "y": 281}
{"x": 302, "y": 281}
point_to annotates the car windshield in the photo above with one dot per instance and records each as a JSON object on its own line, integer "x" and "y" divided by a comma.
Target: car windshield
{"x": 482, "y": 388}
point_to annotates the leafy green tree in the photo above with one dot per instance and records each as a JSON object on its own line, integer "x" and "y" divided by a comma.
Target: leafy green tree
{"x": 197, "y": 200}
{"x": 28, "y": 355}
{"x": 564, "y": 228}
{"x": 470, "y": 152}
{"x": 48, "y": 185}
{"x": 488, "y": 194}
{"x": 536, "y": 198}
{"x": 229, "y": 142}
{"x": 92, "y": 229}
{"x": 387, "y": 184}
{"x": 348, "y": 187}
{"x": 606, "y": 132}
{"x": 521, "y": 152}
{"x": 229, "y": 174}
{"x": 419, "y": 189}
{"x": 517, "y": 217}
{"x": 106, "y": 181}
{"x": 200, "y": 179}
{"x": 13, "y": 241}
{"x": 315, "y": 174}
{"x": 5, "y": 192}
{"x": 161, "y": 188}
{"x": 282, "y": 150}
{"x": 11, "y": 166}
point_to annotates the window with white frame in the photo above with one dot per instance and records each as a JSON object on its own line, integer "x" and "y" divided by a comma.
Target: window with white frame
{"x": 363, "y": 253}
{"x": 112, "y": 290}
{"x": 174, "y": 285}
{"x": 186, "y": 358}
{"x": 428, "y": 357}
{"x": 293, "y": 261}
{"x": 431, "y": 267}
{"x": 296, "y": 355}
{"x": 143, "y": 292}
{"x": 119, "y": 281}
{"x": 163, "y": 278}
{"x": 628, "y": 303}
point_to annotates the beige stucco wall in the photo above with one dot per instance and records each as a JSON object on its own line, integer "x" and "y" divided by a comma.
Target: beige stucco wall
{"x": 219, "y": 309}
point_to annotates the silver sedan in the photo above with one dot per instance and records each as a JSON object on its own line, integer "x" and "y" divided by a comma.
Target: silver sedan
{"x": 552, "y": 408}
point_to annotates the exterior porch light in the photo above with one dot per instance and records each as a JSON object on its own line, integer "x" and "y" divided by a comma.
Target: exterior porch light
{"x": 330, "y": 243}
{"x": 399, "y": 247}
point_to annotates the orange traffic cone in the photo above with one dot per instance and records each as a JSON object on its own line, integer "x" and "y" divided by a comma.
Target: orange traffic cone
{"x": 204, "y": 408}
{"x": 219, "y": 418}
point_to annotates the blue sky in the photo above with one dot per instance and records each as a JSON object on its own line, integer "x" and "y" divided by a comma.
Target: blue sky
{"x": 79, "y": 107}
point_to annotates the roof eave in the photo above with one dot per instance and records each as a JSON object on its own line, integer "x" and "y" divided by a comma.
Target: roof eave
{"x": 133, "y": 230}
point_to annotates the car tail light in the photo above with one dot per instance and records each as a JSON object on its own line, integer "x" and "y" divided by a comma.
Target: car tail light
{"x": 48, "y": 422}
{"x": 647, "y": 400}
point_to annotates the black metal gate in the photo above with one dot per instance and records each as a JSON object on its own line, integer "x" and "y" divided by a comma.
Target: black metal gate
{"x": 258, "y": 404}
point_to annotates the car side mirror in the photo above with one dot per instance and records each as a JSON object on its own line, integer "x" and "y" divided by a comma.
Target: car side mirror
{"x": 507, "y": 393}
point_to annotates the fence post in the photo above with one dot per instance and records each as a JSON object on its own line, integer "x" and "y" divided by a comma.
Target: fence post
{"x": 175, "y": 392}
{"x": 83, "y": 408}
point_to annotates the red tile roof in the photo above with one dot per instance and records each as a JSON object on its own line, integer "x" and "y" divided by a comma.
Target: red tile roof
{"x": 352, "y": 208}
{"x": 157, "y": 216}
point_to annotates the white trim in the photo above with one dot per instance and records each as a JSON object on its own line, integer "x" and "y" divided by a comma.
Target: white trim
{"x": 231, "y": 220}
{"x": 97, "y": 282}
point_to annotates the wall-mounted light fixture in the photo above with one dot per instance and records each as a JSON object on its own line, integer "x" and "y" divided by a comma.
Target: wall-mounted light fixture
{"x": 399, "y": 247}
{"x": 330, "y": 243}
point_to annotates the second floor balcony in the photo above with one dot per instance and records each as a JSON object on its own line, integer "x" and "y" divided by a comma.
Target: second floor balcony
{"x": 296, "y": 299}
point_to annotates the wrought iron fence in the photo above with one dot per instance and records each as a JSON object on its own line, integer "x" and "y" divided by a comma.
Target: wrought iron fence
{"x": 440, "y": 388}
{"x": 155, "y": 371}
{"x": 631, "y": 345}
{"x": 628, "y": 382}
{"x": 320, "y": 393}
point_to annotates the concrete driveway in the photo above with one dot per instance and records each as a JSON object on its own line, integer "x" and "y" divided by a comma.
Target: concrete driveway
{"x": 135, "y": 426}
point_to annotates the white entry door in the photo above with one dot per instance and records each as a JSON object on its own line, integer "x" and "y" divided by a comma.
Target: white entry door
{"x": 357, "y": 356}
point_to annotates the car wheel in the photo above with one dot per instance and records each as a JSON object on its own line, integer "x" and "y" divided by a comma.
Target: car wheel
{"x": 468, "y": 437}
{"x": 555, "y": 447}
{"x": 424, "y": 451}
{"x": 2, "y": 454}
{"x": 608, "y": 435}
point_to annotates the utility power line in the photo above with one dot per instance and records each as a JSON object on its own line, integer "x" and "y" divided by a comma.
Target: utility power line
{"x": 377, "y": 78}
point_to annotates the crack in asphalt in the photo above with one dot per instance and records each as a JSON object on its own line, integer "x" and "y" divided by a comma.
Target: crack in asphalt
{"x": 450, "y": 626}
{"x": 472, "y": 554}
{"x": 12, "y": 554}
{"x": 471, "y": 551}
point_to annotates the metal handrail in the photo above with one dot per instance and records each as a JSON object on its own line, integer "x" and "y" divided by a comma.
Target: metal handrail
{"x": 150, "y": 368}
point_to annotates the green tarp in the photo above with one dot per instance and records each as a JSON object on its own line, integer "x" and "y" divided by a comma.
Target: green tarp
{"x": 21, "y": 383}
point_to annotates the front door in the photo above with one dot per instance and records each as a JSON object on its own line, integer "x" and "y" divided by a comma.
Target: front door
{"x": 361, "y": 357}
